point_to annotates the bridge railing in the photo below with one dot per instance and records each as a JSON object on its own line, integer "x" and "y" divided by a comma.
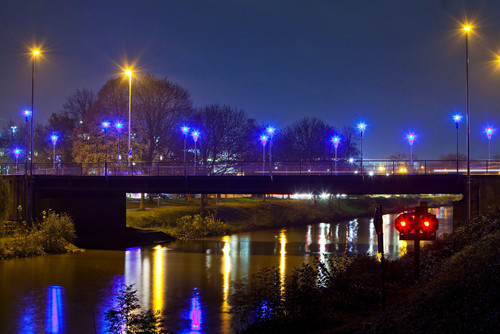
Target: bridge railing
{"x": 242, "y": 168}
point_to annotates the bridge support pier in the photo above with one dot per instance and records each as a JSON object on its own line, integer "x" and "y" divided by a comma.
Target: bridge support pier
{"x": 95, "y": 213}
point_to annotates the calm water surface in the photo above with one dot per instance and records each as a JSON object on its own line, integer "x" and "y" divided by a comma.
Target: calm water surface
{"x": 189, "y": 281}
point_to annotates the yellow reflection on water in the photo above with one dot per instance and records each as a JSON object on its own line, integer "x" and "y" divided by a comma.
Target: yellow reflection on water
{"x": 282, "y": 259}
{"x": 226, "y": 271}
{"x": 158, "y": 278}
{"x": 403, "y": 247}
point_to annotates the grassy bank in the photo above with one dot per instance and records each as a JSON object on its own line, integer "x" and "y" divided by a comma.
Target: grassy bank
{"x": 53, "y": 235}
{"x": 243, "y": 214}
{"x": 458, "y": 291}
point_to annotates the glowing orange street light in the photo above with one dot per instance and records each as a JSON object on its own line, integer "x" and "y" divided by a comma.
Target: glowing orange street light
{"x": 128, "y": 72}
{"x": 467, "y": 29}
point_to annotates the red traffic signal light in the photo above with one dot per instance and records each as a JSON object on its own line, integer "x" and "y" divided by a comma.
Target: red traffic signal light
{"x": 428, "y": 223}
{"x": 404, "y": 223}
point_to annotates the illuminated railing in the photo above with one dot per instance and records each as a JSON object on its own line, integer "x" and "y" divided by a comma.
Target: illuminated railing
{"x": 249, "y": 168}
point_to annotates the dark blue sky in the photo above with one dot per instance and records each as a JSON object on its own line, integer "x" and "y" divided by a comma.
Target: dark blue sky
{"x": 397, "y": 65}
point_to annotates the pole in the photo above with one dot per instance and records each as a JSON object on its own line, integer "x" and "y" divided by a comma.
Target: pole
{"x": 106, "y": 153}
{"x": 263, "y": 157}
{"x": 185, "y": 170}
{"x": 32, "y": 111}
{"x": 362, "y": 174}
{"x": 54, "y": 157}
{"x": 271, "y": 156}
{"x": 195, "y": 157}
{"x": 129, "y": 153}
{"x": 457, "y": 145}
{"x": 411, "y": 158}
{"x": 335, "y": 160}
{"x": 467, "y": 107}
{"x": 118, "y": 148}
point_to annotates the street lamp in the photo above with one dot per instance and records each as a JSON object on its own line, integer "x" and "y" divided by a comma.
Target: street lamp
{"x": 457, "y": 118}
{"x": 54, "y": 137}
{"x": 128, "y": 72}
{"x": 411, "y": 138}
{"x": 119, "y": 127}
{"x": 361, "y": 127}
{"x": 489, "y": 132}
{"x": 34, "y": 54}
{"x": 467, "y": 29}
{"x": 27, "y": 115}
{"x": 17, "y": 151}
{"x": 336, "y": 142}
{"x": 195, "y": 134}
{"x": 270, "y": 132}
{"x": 185, "y": 132}
{"x": 263, "y": 139}
{"x": 105, "y": 126}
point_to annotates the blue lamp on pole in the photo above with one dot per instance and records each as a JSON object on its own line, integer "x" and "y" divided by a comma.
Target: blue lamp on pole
{"x": 54, "y": 137}
{"x": 361, "y": 127}
{"x": 185, "y": 131}
{"x": 411, "y": 138}
{"x": 195, "y": 134}
{"x": 105, "y": 125}
{"x": 336, "y": 142}
{"x": 270, "y": 133}
{"x": 457, "y": 118}
{"x": 118, "y": 127}
{"x": 263, "y": 140}
{"x": 17, "y": 152}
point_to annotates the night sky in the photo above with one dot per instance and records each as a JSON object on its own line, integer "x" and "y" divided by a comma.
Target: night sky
{"x": 397, "y": 65}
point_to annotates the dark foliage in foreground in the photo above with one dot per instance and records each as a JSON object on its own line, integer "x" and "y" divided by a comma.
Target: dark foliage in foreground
{"x": 458, "y": 292}
{"x": 125, "y": 318}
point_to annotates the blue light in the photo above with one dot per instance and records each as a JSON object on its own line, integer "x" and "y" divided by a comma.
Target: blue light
{"x": 55, "y": 315}
{"x": 54, "y": 137}
{"x": 263, "y": 139}
{"x": 270, "y": 130}
{"x": 361, "y": 127}
{"x": 196, "y": 135}
{"x": 17, "y": 151}
{"x": 105, "y": 125}
{"x": 118, "y": 126}
{"x": 457, "y": 118}
{"x": 185, "y": 130}
{"x": 27, "y": 113}
{"x": 195, "y": 311}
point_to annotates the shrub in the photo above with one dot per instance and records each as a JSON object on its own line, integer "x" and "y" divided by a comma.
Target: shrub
{"x": 57, "y": 232}
{"x": 126, "y": 318}
{"x": 197, "y": 226}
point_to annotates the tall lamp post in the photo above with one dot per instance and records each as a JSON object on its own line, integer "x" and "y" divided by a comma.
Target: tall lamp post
{"x": 105, "y": 126}
{"x": 34, "y": 54}
{"x": 128, "y": 72}
{"x": 185, "y": 132}
{"x": 336, "y": 141}
{"x": 263, "y": 139}
{"x": 457, "y": 118}
{"x": 467, "y": 30}
{"x": 27, "y": 115}
{"x": 361, "y": 127}
{"x": 54, "y": 137}
{"x": 270, "y": 132}
{"x": 411, "y": 139}
{"x": 17, "y": 151}
{"x": 195, "y": 134}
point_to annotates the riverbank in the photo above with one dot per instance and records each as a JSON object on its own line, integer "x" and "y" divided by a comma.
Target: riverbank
{"x": 457, "y": 291}
{"x": 236, "y": 215}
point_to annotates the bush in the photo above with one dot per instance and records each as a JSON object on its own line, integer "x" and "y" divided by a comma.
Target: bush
{"x": 126, "y": 318}
{"x": 53, "y": 235}
{"x": 57, "y": 232}
{"x": 197, "y": 226}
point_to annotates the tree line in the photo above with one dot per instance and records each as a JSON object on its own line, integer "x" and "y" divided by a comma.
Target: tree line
{"x": 159, "y": 109}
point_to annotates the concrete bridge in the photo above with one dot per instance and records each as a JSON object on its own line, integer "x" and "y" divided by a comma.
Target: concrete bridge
{"x": 97, "y": 203}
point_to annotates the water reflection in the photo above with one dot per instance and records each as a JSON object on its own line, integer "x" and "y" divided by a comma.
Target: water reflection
{"x": 55, "y": 312}
{"x": 189, "y": 281}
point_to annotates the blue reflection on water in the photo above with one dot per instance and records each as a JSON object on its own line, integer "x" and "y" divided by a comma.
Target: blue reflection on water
{"x": 28, "y": 323}
{"x": 195, "y": 314}
{"x": 55, "y": 314}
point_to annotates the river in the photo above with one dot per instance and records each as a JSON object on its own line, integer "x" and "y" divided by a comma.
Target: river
{"x": 189, "y": 281}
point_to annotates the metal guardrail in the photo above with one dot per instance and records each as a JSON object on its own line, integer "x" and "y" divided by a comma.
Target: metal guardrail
{"x": 242, "y": 168}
